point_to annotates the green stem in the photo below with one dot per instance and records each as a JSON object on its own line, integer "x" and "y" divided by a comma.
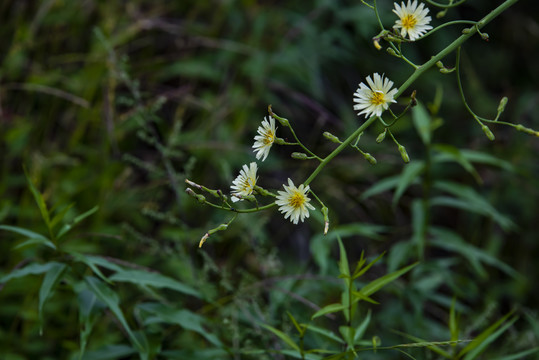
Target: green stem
{"x": 416, "y": 74}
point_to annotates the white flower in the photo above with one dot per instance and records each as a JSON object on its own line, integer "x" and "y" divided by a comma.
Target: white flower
{"x": 375, "y": 100}
{"x": 293, "y": 202}
{"x": 244, "y": 183}
{"x": 413, "y": 19}
{"x": 265, "y": 139}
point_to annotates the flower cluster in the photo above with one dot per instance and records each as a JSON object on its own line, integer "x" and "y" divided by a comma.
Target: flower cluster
{"x": 293, "y": 202}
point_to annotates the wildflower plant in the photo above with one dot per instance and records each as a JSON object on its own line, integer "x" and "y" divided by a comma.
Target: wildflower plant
{"x": 377, "y": 100}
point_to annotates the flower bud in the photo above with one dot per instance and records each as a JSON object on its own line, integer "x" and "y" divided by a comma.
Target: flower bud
{"x": 501, "y": 106}
{"x": 299, "y": 156}
{"x": 439, "y": 64}
{"x": 381, "y": 137}
{"x": 487, "y": 132}
{"x": 527, "y": 130}
{"x": 371, "y": 159}
{"x": 484, "y": 36}
{"x": 392, "y": 52}
{"x": 279, "y": 141}
{"x": 326, "y": 219}
{"x": 331, "y": 137}
{"x": 404, "y": 154}
{"x": 377, "y": 44}
{"x": 203, "y": 240}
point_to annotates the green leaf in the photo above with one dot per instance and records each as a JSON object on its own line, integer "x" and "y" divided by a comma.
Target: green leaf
{"x": 281, "y": 335}
{"x": 86, "y": 301}
{"x": 153, "y": 279}
{"x": 363, "y": 270}
{"x": 359, "y": 296}
{"x": 300, "y": 328}
{"x": 520, "y": 355}
{"x": 377, "y": 284}
{"x": 469, "y": 199}
{"x": 327, "y": 333}
{"x": 348, "y": 333}
{"x": 60, "y": 215}
{"x": 67, "y": 227}
{"x": 409, "y": 174}
{"x": 52, "y": 277}
{"x": 110, "y": 352}
{"x": 328, "y": 309}
{"x": 184, "y": 318}
{"x": 453, "y": 322}
{"x": 92, "y": 262}
{"x": 40, "y": 203}
{"x": 419, "y": 342}
{"x": 479, "y": 344}
{"x": 422, "y": 120}
{"x": 451, "y": 153}
{"x": 450, "y": 241}
{"x": 34, "y": 238}
{"x": 344, "y": 268}
{"x": 110, "y": 298}
{"x": 362, "y": 327}
{"x": 381, "y": 186}
{"x": 31, "y": 269}
{"x": 485, "y": 158}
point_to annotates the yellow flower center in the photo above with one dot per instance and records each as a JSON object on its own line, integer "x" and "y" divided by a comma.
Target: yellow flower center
{"x": 409, "y": 22}
{"x": 296, "y": 200}
{"x": 377, "y": 98}
{"x": 268, "y": 138}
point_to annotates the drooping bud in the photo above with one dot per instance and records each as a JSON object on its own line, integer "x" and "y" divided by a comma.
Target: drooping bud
{"x": 332, "y": 137}
{"x": 404, "y": 154}
{"x": 200, "y": 198}
{"x": 392, "y": 52}
{"x": 371, "y": 159}
{"x": 203, "y": 240}
{"x": 487, "y": 132}
{"x": 299, "y": 156}
{"x": 484, "y": 36}
{"x": 381, "y": 137}
{"x": 376, "y": 43}
{"x": 279, "y": 141}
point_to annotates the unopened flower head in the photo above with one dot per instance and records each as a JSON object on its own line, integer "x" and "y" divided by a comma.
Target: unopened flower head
{"x": 375, "y": 98}
{"x": 265, "y": 138}
{"x": 244, "y": 183}
{"x": 413, "y": 19}
{"x": 293, "y": 202}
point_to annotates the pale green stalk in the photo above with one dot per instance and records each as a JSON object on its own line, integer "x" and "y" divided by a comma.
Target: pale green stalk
{"x": 416, "y": 74}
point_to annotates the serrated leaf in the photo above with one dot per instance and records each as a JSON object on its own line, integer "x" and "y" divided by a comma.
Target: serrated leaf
{"x": 409, "y": 174}
{"x": 153, "y": 279}
{"x": 328, "y": 309}
{"x": 52, "y": 277}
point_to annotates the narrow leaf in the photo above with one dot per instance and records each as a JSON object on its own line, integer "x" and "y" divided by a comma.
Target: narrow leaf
{"x": 377, "y": 284}
{"x": 67, "y": 227}
{"x": 40, "y": 203}
{"x": 422, "y": 120}
{"x": 52, "y": 277}
{"x": 110, "y": 298}
{"x": 328, "y": 309}
{"x": 33, "y": 237}
{"x": 344, "y": 268}
{"x": 31, "y": 269}
{"x": 153, "y": 279}
{"x": 281, "y": 335}
{"x": 407, "y": 177}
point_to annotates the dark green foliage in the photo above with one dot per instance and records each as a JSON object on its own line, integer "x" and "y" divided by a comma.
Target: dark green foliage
{"x": 106, "y": 107}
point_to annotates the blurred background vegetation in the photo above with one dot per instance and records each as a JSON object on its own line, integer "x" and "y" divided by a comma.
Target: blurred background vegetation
{"x": 116, "y": 103}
